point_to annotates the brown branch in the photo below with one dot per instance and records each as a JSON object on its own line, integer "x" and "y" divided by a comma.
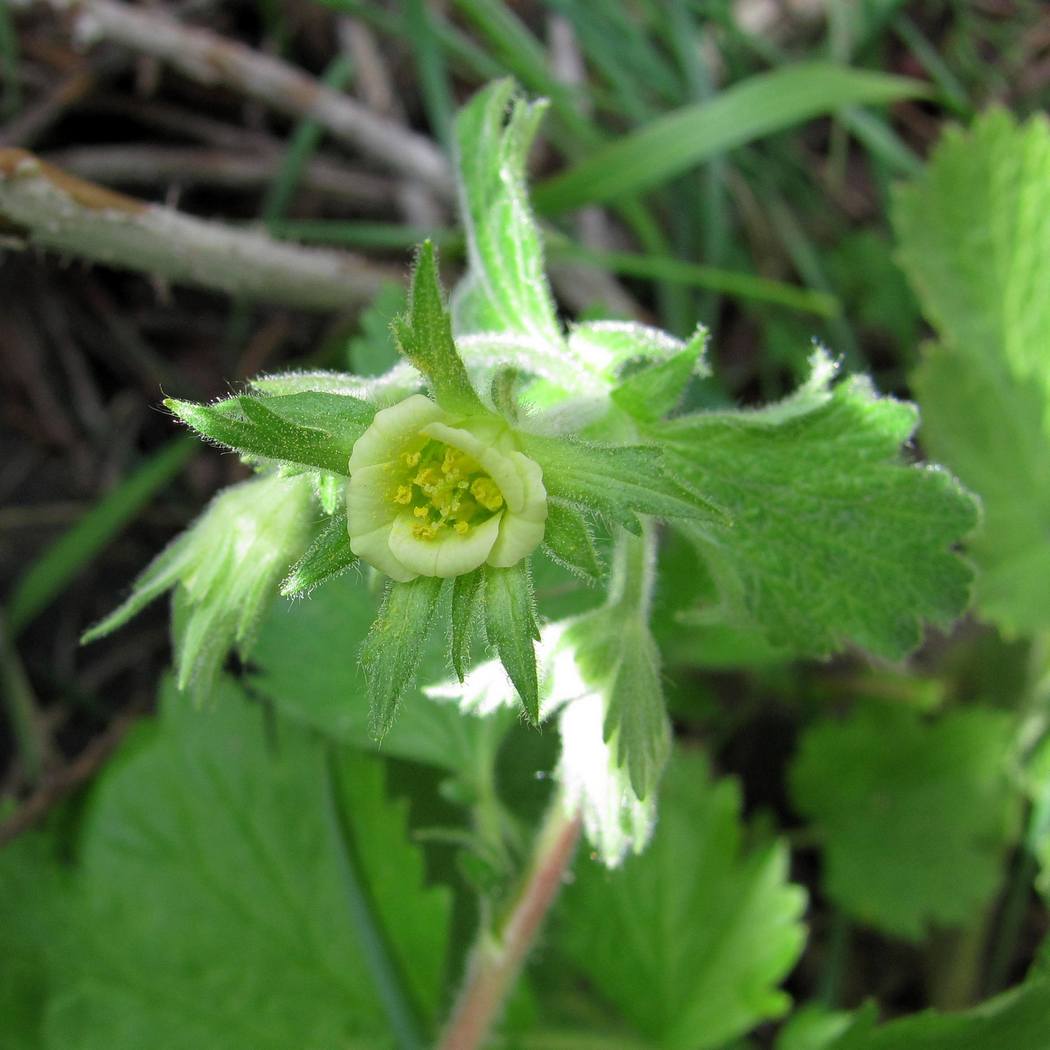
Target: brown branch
{"x": 210, "y": 59}
{"x": 46, "y": 206}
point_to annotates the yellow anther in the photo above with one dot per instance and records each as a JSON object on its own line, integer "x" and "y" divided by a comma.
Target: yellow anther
{"x": 426, "y": 479}
{"x": 420, "y": 512}
{"x": 487, "y": 493}
{"x": 403, "y": 494}
{"x": 410, "y": 458}
{"x": 451, "y": 460}
{"x": 462, "y": 528}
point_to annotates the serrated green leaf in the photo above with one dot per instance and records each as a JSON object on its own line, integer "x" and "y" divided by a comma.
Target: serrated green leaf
{"x": 834, "y": 536}
{"x": 974, "y": 233}
{"x": 914, "y": 816}
{"x": 568, "y": 540}
{"x": 313, "y": 429}
{"x": 209, "y": 838}
{"x": 424, "y": 335}
{"x": 505, "y": 289}
{"x": 327, "y": 557}
{"x": 467, "y": 604}
{"x": 303, "y": 662}
{"x": 616, "y": 480}
{"x": 609, "y": 348}
{"x": 689, "y": 940}
{"x": 652, "y": 392}
{"x": 510, "y": 626}
{"x": 1018, "y": 1019}
{"x": 751, "y": 109}
{"x": 394, "y": 648}
{"x": 373, "y": 351}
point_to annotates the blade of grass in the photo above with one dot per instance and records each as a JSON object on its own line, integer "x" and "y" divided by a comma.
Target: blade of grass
{"x": 881, "y": 141}
{"x": 430, "y": 63}
{"x": 951, "y": 88}
{"x": 729, "y": 282}
{"x": 366, "y": 234}
{"x": 11, "y": 102}
{"x": 48, "y": 576}
{"x": 759, "y": 106}
{"x": 302, "y": 146}
{"x": 21, "y": 708}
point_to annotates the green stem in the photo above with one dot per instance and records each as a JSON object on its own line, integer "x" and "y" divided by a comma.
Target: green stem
{"x": 498, "y": 954}
{"x": 390, "y": 985}
{"x": 634, "y": 571}
{"x": 21, "y": 707}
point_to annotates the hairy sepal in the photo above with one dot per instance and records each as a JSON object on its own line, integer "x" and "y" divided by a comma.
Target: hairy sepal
{"x": 467, "y": 603}
{"x": 654, "y": 390}
{"x": 618, "y": 481}
{"x": 393, "y": 650}
{"x": 510, "y": 625}
{"x": 327, "y": 557}
{"x": 424, "y": 336}
{"x": 568, "y": 541}
{"x": 309, "y": 429}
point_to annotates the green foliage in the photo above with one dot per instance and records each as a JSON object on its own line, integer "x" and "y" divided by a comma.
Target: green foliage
{"x": 424, "y": 336}
{"x": 394, "y": 648}
{"x": 689, "y": 940}
{"x": 652, "y": 392}
{"x": 309, "y": 429}
{"x": 914, "y": 816}
{"x": 568, "y": 540}
{"x": 374, "y": 351}
{"x": 510, "y": 625}
{"x": 505, "y": 289}
{"x": 327, "y": 557}
{"x": 974, "y": 234}
{"x": 1019, "y": 1020}
{"x": 834, "y": 537}
{"x": 467, "y": 605}
{"x": 209, "y": 840}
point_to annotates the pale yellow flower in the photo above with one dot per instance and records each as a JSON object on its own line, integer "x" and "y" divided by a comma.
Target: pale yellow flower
{"x": 432, "y": 494}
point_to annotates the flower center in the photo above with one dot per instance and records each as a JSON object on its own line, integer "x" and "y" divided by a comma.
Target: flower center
{"x": 443, "y": 488}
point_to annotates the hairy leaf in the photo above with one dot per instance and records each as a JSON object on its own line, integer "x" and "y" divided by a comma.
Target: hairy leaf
{"x": 467, "y": 605}
{"x": 689, "y": 940}
{"x": 568, "y": 540}
{"x": 834, "y": 536}
{"x": 510, "y": 625}
{"x": 327, "y": 557}
{"x": 505, "y": 289}
{"x": 914, "y": 816}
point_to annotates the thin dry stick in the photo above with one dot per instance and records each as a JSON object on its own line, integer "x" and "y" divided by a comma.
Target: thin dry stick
{"x": 497, "y": 957}
{"x": 46, "y": 206}
{"x": 211, "y": 59}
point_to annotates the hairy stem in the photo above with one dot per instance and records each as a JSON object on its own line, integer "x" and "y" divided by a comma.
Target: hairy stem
{"x": 498, "y": 954}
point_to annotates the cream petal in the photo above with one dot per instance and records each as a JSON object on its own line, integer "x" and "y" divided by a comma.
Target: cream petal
{"x": 518, "y": 538}
{"x": 535, "y": 507}
{"x": 374, "y": 548}
{"x": 389, "y": 427}
{"x": 451, "y": 555}
{"x": 496, "y": 464}
{"x": 368, "y": 503}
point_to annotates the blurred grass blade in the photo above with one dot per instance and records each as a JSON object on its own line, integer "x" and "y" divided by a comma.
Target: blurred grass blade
{"x": 728, "y": 282}
{"x": 365, "y": 234}
{"x": 11, "y": 99}
{"x": 430, "y": 64}
{"x": 46, "y": 578}
{"x": 301, "y": 147}
{"x": 759, "y": 106}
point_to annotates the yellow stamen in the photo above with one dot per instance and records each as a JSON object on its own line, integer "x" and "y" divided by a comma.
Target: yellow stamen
{"x": 462, "y": 528}
{"x": 410, "y": 458}
{"x": 487, "y": 493}
{"x": 403, "y": 494}
{"x": 420, "y": 512}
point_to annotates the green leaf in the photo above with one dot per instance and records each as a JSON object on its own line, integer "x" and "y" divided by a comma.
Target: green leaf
{"x": 834, "y": 536}
{"x": 424, "y": 335}
{"x": 327, "y": 557}
{"x": 616, "y": 480}
{"x": 975, "y": 242}
{"x": 394, "y": 648}
{"x": 914, "y": 816}
{"x": 209, "y": 838}
{"x": 974, "y": 233}
{"x": 505, "y": 289}
{"x": 312, "y": 429}
{"x": 568, "y": 540}
{"x": 510, "y": 626}
{"x": 303, "y": 662}
{"x": 467, "y": 604}
{"x": 652, "y": 392}
{"x": 373, "y": 351}
{"x": 674, "y": 143}
{"x": 1018, "y": 1019}
{"x": 689, "y": 940}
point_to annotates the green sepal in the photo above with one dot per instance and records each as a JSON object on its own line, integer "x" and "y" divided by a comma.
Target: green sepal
{"x": 467, "y": 599}
{"x": 567, "y": 539}
{"x": 311, "y": 429}
{"x": 327, "y": 557}
{"x": 424, "y": 336}
{"x": 654, "y": 390}
{"x": 619, "y": 481}
{"x": 510, "y": 625}
{"x": 393, "y": 650}
{"x": 616, "y": 651}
